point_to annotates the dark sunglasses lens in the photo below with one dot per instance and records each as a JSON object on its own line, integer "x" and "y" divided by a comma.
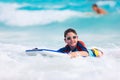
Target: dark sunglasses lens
{"x": 68, "y": 38}
{"x": 74, "y": 37}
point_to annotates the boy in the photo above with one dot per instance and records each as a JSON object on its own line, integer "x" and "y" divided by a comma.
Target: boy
{"x": 98, "y": 10}
{"x": 74, "y": 47}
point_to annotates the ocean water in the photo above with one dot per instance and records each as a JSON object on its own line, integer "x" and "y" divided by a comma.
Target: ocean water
{"x": 28, "y": 24}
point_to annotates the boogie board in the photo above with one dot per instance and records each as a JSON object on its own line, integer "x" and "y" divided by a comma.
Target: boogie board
{"x": 52, "y": 53}
{"x": 45, "y": 52}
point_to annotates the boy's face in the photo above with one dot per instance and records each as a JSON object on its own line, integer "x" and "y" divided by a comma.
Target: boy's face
{"x": 94, "y": 8}
{"x": 71, "y": 39}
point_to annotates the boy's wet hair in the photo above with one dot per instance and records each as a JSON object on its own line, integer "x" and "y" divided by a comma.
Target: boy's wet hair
{"x": 95, "y": 5}
{"x": 69, "y": 30}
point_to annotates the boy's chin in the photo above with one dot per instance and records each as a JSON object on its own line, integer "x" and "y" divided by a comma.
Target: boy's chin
{"x": 73, "y": 45}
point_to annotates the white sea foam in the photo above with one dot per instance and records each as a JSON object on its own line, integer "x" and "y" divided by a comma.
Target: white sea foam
{"x": 16, "y": 65}
{"x": 110, "y": 3}
{"x": 11, "y": 15}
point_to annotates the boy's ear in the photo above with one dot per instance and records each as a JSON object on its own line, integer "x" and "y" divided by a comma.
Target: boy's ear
{"x": 65, "y": 40}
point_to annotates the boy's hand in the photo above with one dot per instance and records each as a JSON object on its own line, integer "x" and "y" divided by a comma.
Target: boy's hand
{"x": 78, "y": 53}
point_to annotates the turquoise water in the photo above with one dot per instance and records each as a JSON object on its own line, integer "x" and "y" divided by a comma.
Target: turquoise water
{"x": 26, "y": 24}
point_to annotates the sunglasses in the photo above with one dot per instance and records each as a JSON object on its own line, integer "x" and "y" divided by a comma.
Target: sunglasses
{"x": 69, "y": 38}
